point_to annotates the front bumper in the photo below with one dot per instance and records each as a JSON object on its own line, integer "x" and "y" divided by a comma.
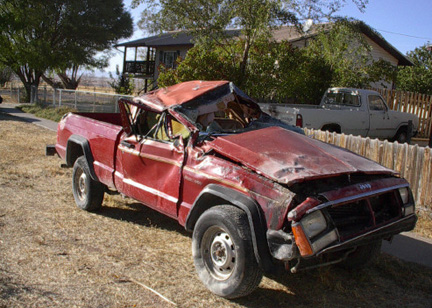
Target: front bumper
{"x": 283, "y": 247}
{"x": 385, "y": 232}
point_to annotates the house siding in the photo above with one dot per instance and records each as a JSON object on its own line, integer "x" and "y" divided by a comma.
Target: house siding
{"x": 379, "y": 53}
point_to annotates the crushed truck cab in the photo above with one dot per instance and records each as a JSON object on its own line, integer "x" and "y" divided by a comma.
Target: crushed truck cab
{"x": 256, "y": 193}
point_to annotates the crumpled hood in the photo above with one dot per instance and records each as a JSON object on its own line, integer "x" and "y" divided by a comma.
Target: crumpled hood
{"x": 288, "y": 158}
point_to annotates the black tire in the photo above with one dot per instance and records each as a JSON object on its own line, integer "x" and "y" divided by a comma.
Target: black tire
{"x": 331, "y": 129}
{"x": 362, "y": 256}
{"x": 223, "y": 252}
{"x": 88, "y": 193}
{"x": 401, "y": 135}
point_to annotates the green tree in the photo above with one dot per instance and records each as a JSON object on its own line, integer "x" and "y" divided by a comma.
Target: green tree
{"x": 5, "y": 75}
{"x": 122, "y": 84}
{"x": 277, "y": 71}
{"x": 348, "y": 56}
{"x": 208, "y": 20}
{"x": 39, "y": 36}
{"x": 417, "y": 78}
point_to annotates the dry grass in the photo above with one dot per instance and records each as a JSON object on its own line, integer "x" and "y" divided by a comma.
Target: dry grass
{"x": 424, "y": 224}
{"x": 55, "y": 255}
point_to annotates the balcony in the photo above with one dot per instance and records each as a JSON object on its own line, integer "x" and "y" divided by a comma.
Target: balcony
{"x": 140, "y": 68}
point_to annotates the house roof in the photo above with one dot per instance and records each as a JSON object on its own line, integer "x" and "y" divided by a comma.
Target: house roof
{"x": 377, "y": 38}
{"x": 293, "y": 34}
{"x": 171, "y": 38}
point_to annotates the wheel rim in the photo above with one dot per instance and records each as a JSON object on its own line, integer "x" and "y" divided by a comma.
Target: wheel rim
{"x": 81, "y": 184}
{"x": 219, "y": 253}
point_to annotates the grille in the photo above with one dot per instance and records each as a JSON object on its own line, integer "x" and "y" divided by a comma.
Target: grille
{"x": 355, "y": 218}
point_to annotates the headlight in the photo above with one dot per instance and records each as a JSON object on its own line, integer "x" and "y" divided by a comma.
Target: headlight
{"x": 404, "y": 193}
{"x": 309, "y": 227}
{"x": 314, "y": 223}
{"x": 407, "y": 207}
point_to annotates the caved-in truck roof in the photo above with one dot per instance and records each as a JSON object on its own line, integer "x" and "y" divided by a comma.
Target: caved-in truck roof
{"x": 179, "y": 94}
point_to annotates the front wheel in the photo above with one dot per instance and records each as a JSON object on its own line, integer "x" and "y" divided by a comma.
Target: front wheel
{"x": 88, "y": 193}
{"x": 223, "y": 252}
{"x": 401, "y": 135}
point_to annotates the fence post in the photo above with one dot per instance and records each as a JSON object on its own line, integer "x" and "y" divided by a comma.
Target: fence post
{"x": 94, "y": 100}
{"x": 430, "y": 139}
{"x": 75, "y": 104}
{"x": 54, "y": 97}
{"x": 19, "y": 98}
{"x": 35, "y": 94}
{"x": 60, "y": 97}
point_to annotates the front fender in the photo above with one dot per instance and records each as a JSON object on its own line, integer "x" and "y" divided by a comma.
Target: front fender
{"x": 213, "y": 195}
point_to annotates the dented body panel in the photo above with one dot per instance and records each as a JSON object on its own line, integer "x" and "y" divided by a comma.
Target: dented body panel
{"x": 288, "y": 158}
{"x": 159, "y": 153}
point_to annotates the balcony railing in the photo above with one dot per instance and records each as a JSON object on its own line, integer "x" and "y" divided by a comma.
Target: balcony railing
{"x": 145, "y": 68}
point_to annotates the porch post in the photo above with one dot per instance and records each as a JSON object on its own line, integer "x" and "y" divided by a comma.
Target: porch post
{"x": 124, "y": 60}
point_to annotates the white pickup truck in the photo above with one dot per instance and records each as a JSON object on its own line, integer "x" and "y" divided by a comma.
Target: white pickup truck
{"x": 349, "y": 111}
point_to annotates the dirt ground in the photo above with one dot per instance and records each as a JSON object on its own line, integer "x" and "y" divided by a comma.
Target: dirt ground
{"x": 54, "y": 255}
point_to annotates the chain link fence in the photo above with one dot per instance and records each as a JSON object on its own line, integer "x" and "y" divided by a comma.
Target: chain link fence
{"x": 83, "y": 101}
{"x": 13, "y": 92}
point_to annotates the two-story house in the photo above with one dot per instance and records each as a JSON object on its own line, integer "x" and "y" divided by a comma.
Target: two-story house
{"x": 142, "y": 57}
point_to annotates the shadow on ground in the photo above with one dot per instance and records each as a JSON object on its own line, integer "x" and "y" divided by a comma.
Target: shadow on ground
{"x": 387, "y": 282}
{"x": 142, "y": 215}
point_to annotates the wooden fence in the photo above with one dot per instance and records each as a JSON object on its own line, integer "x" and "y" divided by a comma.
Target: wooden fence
{"x": 413, "y": 163}
{"x": 416, "y": 103}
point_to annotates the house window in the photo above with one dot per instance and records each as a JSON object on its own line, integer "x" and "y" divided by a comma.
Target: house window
{"x": 168, "y": 58}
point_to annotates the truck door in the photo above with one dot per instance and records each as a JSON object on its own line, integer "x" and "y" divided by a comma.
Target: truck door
{"x": 380, "y": 124}
{"x": 150, "y": 161}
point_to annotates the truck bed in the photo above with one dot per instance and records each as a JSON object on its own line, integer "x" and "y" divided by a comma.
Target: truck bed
{"x": 112, "y": 118}
{"x": 100, "y": 132}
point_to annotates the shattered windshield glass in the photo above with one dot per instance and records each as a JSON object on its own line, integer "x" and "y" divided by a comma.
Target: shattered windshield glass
{"x": 227, "y": 110}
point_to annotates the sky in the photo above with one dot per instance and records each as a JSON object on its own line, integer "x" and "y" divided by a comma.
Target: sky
{"x": 406, "y": 24}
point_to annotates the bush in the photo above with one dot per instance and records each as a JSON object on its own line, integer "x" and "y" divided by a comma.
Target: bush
{"x": 122, "y": 84}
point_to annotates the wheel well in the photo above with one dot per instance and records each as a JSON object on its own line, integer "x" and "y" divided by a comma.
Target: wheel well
{"x": 332, "y": 128}
{"x": 205, "y": 202}
{"x": 401, "y": 129}
{"x": 78, "y": 146}
{"x": 74, "y": 150}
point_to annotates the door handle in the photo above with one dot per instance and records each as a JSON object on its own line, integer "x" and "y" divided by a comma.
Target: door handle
{"x": 127, "y": 144}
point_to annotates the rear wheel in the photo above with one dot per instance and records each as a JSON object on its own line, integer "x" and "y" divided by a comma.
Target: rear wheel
{"x": 223, "y": 252}
{"x": 88, "y": 193}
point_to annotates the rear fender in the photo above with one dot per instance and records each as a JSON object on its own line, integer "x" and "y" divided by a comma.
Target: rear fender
{"x": 76, "y": 147}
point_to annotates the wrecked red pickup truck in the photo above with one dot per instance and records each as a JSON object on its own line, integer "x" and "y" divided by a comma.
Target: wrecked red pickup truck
{"x": 256, "y": 192}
